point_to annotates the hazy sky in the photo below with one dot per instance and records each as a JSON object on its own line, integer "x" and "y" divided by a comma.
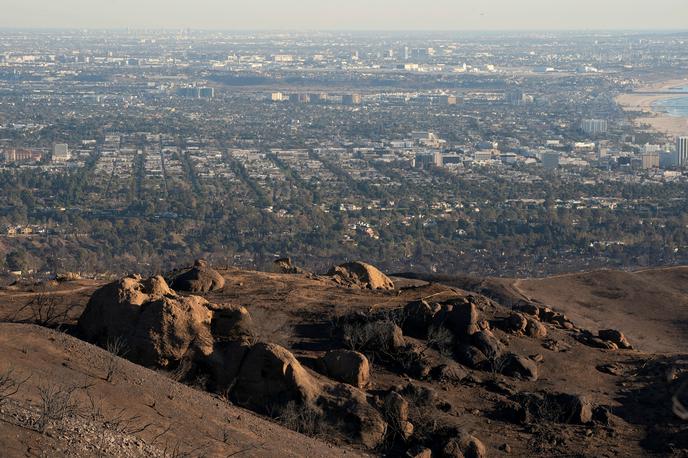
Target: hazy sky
{"x": 348, "y": 14}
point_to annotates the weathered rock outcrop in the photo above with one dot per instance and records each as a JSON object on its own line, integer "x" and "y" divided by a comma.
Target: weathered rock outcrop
{"x": 462, "y": 318}
{"x": 396, "y": 410}
{"x": 362, "y": 275}
{"x": 270, "y": 375}
{"x": 418, "y": 318}
{"x": 157, "y": 326}
{"x": 200, "y": 278}
{"x": 163, "y": 329}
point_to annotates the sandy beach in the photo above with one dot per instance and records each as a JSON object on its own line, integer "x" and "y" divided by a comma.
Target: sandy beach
{"x": 672, "y": 126}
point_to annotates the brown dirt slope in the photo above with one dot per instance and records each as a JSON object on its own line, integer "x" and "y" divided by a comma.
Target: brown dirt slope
{"x": 651, "y": 306}
{"x": 138, "y": 412}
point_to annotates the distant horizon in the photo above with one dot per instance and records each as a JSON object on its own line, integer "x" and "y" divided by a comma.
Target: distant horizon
{"x": 357, "y": 31}
{"x": 349, "y": 15}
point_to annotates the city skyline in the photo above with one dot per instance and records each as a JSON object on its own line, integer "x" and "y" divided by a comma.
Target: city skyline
{"x": 352, "y": 15}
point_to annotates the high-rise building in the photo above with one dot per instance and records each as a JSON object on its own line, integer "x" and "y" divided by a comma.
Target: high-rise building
{"x": 650, "y": 160}
{"x": 682, "y": 151}
{"x": 594, "y": 126}
{"x": 60, "y": 152}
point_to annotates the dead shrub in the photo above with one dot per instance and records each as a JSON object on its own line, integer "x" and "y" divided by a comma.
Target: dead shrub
{"x": 56, "y": 405}
{"x": 10, "y": 384}
{"x": 117, "y": 347}
{"x": 301, "y": 418}
{"x": 44, "y": 310}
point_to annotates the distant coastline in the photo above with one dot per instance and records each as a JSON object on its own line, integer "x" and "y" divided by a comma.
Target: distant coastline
{"x": 664, "y": 113}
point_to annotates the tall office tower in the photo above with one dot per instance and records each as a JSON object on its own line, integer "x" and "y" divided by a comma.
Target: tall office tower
{"x": 594, "y": 126}
{"x": 682, "y": 151}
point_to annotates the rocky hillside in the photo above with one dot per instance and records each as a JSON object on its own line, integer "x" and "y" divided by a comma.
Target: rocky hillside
{"x": 206, "y": 362}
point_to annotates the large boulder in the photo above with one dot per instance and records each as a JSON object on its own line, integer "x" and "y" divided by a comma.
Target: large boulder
{"x": 346, "y": 366}
{"x": 396, "y": 410}
{"x": 535, "y": 329}
{"x": 470, "y": 356}
{"x": 157, "y": 326}
{"x": 350, "y": 407}
{"x": 200, "y": 278}
{"x": 270, "y": 375}
{"x": 231, "y": 322}
{"x": 461, "y": 318}
{"x": 418, "y": 318}
{"x": 515, "y": 365}
{"x": 487, "y": 343}
{"x": 515, "y": 323}
{"x": 225, "y": 362}
{"x": 362, "y": 275}
{"x": 463, "y": 445}
{"x": 616, "y": 337}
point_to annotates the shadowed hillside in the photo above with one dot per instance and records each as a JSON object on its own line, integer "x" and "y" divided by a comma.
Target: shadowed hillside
{"x": 352, "y": 362}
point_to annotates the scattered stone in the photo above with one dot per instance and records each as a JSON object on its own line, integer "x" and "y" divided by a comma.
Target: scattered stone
{"x": 362, "y": 275}
{"x": 528, "y": 308}
{"x": 464, "y": 445}
{"x": 449, "y": 372}
{"x": 347, "y": 366}
{"x": 535, "y": 329}
{"x": 396, "y": 410}
{"x": 616, "y": 337}
{"x": 462, "y": 318}
{"x": 470, "y": 356}
{"x": 198, "y": 279}
{"x": 488, "y": 344}
{"x": 285, "y": 266}
{"x": 603, "y": 416}
{"x": 516, "y": 323}
{"x": 499, "y": 387}
{"x": 365, "y": 423}
{"x": 611, "y": 369}
{"x": 590, "y": 340}
{"x": 418, "y": 318}
{"x": 514, "y": 365}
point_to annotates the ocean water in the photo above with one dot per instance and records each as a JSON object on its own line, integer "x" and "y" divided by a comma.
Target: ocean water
{"x": 674, "y": 106}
